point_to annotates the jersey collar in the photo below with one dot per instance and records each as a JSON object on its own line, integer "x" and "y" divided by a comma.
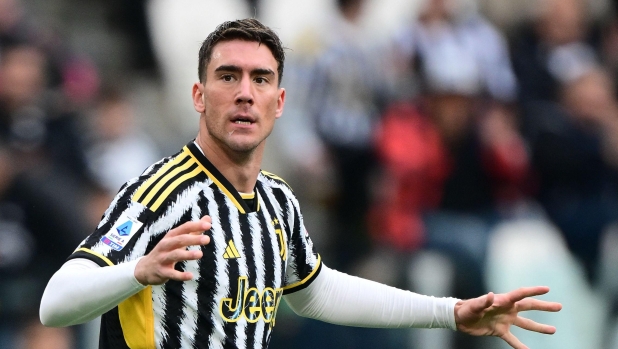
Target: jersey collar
{"x": 220, "y": 181}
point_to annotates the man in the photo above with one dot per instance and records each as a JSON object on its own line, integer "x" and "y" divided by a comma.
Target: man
{"x": 198, "y": 251}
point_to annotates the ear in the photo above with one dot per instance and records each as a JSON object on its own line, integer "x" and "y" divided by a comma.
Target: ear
{"x": 280, "y": 103}
{"x": 198, "y": 98}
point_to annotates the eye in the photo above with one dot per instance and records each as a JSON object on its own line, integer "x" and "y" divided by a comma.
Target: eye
{"x": 227, "y": 77}
{"x": 261, "y": 80}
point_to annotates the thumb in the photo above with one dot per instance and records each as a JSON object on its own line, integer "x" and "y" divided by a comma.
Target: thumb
{"x": 481, "y": 303}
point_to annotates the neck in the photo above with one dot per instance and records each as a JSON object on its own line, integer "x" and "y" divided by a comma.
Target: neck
{"x": 241, "y": 170}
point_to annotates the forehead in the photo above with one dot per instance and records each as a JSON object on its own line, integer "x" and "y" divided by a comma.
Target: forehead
{"x": 241, "y": 53}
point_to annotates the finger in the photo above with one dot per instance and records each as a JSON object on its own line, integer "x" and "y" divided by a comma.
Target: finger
{"x": 182, "y": 255}
{"x": 513, "y": 341}
{"x": 182, "y": 241}
{"x": 207, "y": 221}
{"x": 537, "y": 304}
{"x": 179, "y": 275}
{"x": 524, "y": 292}
{"x": 530, "y": 325}
{"x": 191, "y": 227}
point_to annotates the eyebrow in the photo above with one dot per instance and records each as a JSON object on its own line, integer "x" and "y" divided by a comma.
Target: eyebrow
{"x": 237, "y": 69}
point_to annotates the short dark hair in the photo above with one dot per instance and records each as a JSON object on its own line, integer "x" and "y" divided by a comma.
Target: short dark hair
{"x": 249, "y": 29}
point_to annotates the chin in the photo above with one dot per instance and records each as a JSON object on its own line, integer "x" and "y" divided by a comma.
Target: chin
{"x": 242, "y": 147}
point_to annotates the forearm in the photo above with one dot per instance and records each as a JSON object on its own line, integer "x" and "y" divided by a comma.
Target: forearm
{"x": 342, "y": 299}
{"x": 81, "y": 290}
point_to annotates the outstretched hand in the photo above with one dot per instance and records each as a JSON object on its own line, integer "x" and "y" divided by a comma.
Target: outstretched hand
{"x": 493, "y": 314}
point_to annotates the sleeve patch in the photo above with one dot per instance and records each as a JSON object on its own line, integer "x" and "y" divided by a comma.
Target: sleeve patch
{"x": 122, "y": 232}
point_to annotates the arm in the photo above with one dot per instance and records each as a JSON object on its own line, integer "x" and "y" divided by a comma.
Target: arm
{"x": 342, "y": 299}
{"x": 346, "y": 300}
{"x": 81, "y": 290}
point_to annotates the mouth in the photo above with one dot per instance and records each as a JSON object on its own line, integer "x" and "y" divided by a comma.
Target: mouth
{"x": 243, "y": 120}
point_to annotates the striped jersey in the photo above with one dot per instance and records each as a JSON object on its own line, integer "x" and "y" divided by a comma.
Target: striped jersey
{"x": 259, "y": 251}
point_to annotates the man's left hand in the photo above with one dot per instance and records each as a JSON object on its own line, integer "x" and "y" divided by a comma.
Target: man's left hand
{"x": 493, "y": 314}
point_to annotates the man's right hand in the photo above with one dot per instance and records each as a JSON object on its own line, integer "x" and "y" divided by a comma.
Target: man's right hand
{"x": 157, "y": 267}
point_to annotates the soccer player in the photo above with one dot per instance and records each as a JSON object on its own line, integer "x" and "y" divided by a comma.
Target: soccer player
{"x": 199, "y": 250}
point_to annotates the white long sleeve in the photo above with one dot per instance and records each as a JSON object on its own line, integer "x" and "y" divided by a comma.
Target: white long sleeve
{"x": 342, "y": 299}
{"x": 81, "y": 290}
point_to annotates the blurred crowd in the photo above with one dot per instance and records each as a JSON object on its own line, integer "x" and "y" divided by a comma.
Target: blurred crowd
{"x": 68, "y": 140}
{"x": 453, "y": 147}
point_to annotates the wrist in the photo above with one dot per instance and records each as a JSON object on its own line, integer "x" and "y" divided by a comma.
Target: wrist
{"x": 138, "y": 275}
{"x": 456, "y": 311}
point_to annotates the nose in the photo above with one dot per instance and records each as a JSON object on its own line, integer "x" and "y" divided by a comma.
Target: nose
{"x": 244, "y": 93}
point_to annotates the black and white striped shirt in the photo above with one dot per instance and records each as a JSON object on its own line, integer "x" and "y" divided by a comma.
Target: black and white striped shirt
{"x": 257, "y": 253}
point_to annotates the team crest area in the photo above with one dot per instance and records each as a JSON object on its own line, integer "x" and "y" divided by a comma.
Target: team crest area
{"x": 120, "y": 234}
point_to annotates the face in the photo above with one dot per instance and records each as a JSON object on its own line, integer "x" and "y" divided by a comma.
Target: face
{"x": 22, "y": 76}
{"x": 453, "y": 115}
{"x": 240, "y": 98}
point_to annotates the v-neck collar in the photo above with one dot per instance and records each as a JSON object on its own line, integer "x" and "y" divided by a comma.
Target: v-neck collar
{"x": 220, "y": 181}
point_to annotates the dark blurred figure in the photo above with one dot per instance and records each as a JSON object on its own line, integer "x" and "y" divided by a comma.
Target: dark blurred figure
{"x": 609, "y": 42}
{"x": 129, "y": 18}
{"x": 345, "y": 100}
{"x": 71, "y": 74}
{"x": 574, "y": 145}
{"x": 448, "y": 159}
{"x": 45, "y": 186}
{"x": 455, "y": 27}
{"x": 454, "y": 162}
{"x": 453, "y": 153}
{"x": 538, "y": 47}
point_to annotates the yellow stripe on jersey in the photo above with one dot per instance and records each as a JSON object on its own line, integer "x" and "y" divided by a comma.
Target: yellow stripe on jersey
{"x": 250, "y": 196}
{"x": 148, "y": 183}
{"x": 247, "y": 196}
{"x": 173, "y": 186}
{"x": 137, "y": 320}
{"x": 216, "y": 181}
{"x": 296, "y": 284}
{"x": 98, "y": 255}
{"x": 274, "y": 176}
{"x": 164, "y": 181}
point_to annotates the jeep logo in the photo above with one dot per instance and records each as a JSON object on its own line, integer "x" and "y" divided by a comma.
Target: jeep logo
{"x": 251, "y": 303}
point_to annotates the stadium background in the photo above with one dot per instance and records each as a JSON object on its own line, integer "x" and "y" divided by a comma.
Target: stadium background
{"x": 91, "y": 92}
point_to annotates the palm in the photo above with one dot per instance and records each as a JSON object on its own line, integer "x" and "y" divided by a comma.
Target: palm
{"x": 493, "y": 315}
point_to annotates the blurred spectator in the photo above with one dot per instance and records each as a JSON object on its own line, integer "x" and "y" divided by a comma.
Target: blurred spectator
{"x": 32, "y": 119}
{"x": 117, "y": 151}
{"x": 538, "y": 47}
{"x": 36, "y": 337}
{"x": 456, "y": 149}
{"x": 574, "y": 145}
{"x": 33, "y": 234}
{"x": 44, "y": 196}
{"x": 347, "y": 92}
{"x": 609, "y": 42}
{"x": 129, "y": 17}
{"x": 454, "y": 166}
{"x": 447, "y": 153}
{"x": 455, "y": 28}
{"x": 72, "y": 74}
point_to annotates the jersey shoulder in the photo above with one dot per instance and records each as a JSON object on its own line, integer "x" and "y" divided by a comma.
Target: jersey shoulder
{"x": 166, "y": 177}
{"x": 272, "y": 180}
